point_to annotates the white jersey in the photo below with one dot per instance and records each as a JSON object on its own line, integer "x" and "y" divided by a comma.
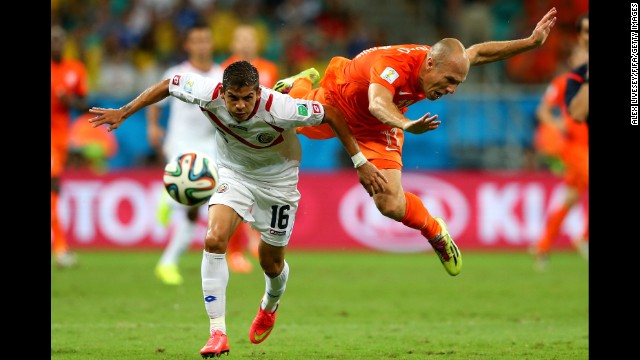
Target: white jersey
{"x": 187, "y": 128}
{"x": 264, "y": 147}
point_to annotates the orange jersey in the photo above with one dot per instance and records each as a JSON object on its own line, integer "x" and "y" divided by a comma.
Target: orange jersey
{"x": 394, "y": 67}
{"x": 67, "y": 77}
{"x": 267, "y": 70}
{"x": 574, "y": 152}
{"x": 345, "y": 85}
{"x": 576, "y": 132}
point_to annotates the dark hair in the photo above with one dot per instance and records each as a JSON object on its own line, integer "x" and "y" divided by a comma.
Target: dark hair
{"x": 579, "y": 21}
{"x": 240, "y": 74}
{"x": 198, "y": 24}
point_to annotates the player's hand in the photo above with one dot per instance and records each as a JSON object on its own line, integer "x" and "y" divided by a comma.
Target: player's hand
{"x": 543, "y": 28}
{"x": 371, "y": 178}
{"x": 113, "y": 117}
{"x": 422, "y": 125}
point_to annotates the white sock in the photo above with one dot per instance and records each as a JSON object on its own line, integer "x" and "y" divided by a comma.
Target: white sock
{"x": 179, "y": 242}
{"x": 274, "y": 289}
{"x": 215, "y": 277}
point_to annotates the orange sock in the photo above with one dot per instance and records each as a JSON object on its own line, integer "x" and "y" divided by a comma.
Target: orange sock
{"x": 552, "y": 229}
{"x": 417, "y": 217}
{"x": 237, "y": 241}
{"x": 59, "y": 239}
{"x": 300, "y": 88}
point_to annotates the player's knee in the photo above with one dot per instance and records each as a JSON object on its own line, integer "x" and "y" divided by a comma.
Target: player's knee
{"x": 271, "y": 268}
{"x": 572, "y": 197}
{"x": 214, "y": 242}
{"x": 389, "y": 207}
{"x": 272, "y": 263}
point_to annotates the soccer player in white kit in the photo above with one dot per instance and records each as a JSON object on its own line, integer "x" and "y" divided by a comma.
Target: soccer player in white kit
{"x": 187, "y": 130}
{"x": 258, "y": 162}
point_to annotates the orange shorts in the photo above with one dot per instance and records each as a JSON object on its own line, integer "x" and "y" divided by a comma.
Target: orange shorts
{"x": 383, "y": 149}
{"x": 548, "y": 140}
{"x": 576, "y": 160}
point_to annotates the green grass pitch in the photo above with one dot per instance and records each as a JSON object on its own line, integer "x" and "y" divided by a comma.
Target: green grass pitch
{"x": 338, "y": 305}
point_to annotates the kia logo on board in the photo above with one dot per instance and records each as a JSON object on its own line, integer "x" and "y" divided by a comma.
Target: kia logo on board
{"x": 361, "y": 219}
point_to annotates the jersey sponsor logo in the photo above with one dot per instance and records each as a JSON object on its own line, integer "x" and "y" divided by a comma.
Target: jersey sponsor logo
{"x": 276, "y": 232}
{"x": 238, "y": 127}
{"x": 176, "y": 80}
{"x": 188, "y": 86}
{"x": 316, "y": 108}
{"x": 403, "y": 93}
{"x": 303, "y": 110}
{"x": 222, "y": 188}
{"x": 390, "y": 75}
{"x": 265, "y": 138}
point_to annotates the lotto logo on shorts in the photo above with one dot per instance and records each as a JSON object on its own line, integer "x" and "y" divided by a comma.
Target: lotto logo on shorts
{"x": 176, "y": 80}
{"x": 316, "y": 109}
{"x": 276, "y": 232}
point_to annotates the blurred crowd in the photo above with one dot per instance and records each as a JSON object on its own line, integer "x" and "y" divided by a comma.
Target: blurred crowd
{"x": 127, "y": 44}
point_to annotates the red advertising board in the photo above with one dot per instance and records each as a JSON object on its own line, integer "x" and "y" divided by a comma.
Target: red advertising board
{"x": 483, "y": 210}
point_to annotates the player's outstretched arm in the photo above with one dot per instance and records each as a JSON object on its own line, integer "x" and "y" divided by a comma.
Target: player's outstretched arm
{"x": 492, "y": 51}
{"x": 369, "y": 176}
{"x": 115, "y": 117}
{"x": 382, "y": 107}
{"x": 579, "y": 105}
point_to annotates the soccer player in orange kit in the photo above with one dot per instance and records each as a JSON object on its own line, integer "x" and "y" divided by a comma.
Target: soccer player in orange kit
{"x": 574, "y": 152}
{"x": 245, "y": 46}
{"x": 374, "y": 89}
{"x": 69, "y": 88}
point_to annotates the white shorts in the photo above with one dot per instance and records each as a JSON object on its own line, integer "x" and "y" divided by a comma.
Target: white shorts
{"x": 269, "y": 208}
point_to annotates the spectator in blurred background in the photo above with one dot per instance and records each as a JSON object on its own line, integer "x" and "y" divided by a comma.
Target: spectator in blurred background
{"x": 573, "y": 94}
{"x": 69, "y": 88}
{"x": 117, "y": 76}
{"x": 187, "y": 130}
{"x": 259, "y": 157}
{"x": 245, "y": 46}
{"x": 374, "y": 90}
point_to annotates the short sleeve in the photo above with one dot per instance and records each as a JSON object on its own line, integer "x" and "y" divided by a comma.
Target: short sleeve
{"x": 290, "y": 113}
{"x": 191, "y": 88}
{"x": 389, "y": 73}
